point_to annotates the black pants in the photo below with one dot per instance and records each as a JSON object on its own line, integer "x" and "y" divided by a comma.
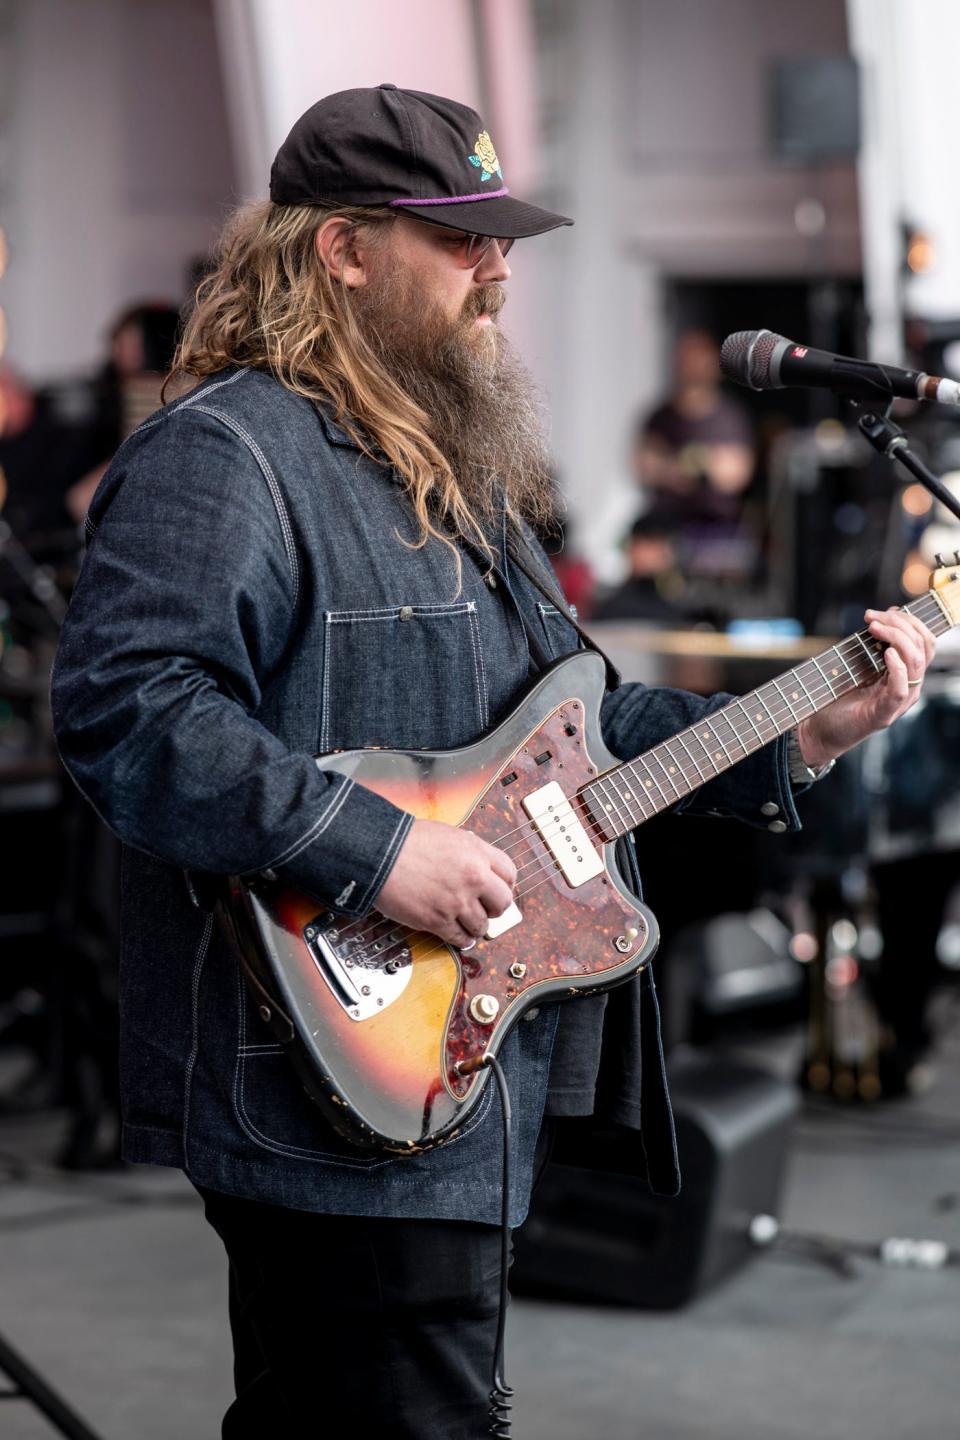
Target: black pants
{"x": 344, "y": 1326}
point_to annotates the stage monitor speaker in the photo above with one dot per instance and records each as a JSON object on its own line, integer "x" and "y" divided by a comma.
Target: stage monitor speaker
{"x": 596, "y": 1233}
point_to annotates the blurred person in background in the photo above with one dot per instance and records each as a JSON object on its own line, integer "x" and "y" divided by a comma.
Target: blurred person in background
{"x": 694, "y": 460}
{"x": 41, "y": 457}
{"x": 362, "y": 449}
{"x": 694, "y": 453}
{"x": 651, "y": 576}
{"x": 142, "y": 341}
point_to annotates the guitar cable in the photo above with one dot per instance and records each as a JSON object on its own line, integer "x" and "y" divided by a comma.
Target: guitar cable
{"x": 501, "y": 1395}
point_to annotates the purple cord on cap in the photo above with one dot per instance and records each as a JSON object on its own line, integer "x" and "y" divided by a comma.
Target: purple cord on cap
{"x": 454, "y": 199}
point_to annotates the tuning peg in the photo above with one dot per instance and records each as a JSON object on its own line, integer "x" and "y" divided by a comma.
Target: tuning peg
{"x": 939, "y": 560}
{"x": 956, "y": 557}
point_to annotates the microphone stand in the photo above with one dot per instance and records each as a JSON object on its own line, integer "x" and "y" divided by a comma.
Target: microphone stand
{"x": 888, "y": 439}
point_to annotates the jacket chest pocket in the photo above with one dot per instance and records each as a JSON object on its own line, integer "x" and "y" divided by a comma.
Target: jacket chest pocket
{"x": 404, "y": 676}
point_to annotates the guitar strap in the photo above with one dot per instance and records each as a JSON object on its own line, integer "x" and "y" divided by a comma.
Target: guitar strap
{"x": 533, "y": 568}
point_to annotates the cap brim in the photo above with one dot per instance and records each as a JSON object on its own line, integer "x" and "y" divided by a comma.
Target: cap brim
{"x": 503, "y": 216}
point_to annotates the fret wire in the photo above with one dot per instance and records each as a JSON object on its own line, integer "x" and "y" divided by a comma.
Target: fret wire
{"x": 711, "y": 729}
{"x": 786, "y": 700}
{"x": 594, "y": 814}
{"x": 756, "y": 728}
{"x": 874, "y": 662}
{"x": 691, "y": 786}
{"x": 695, "y": 763}
{"x": 778, "y": 729}
{"x": 801, "y": 682}
{"x": 642, "y": 794}
{"x": 693, "y": 731}
{"x": 630, "y": 797}
{"x": 664, "y": 769}
{"x": 643, "y": 761}
{"x": 841, "y": 657}
{"x": 815, "y": 661}
{"x": 727, "y": 711}
{"x": 603, "y": 782}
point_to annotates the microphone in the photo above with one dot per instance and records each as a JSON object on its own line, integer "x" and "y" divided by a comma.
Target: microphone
{"x": 764, "y": 361}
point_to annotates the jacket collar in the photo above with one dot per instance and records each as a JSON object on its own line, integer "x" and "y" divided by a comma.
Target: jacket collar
{"x": 335, "y": 433}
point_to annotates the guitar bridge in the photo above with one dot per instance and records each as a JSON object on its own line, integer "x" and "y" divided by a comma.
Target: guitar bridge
{"x": 365, "y": 970}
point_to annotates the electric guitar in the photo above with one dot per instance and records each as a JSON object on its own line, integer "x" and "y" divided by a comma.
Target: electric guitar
{"x": 389, "y": 1029}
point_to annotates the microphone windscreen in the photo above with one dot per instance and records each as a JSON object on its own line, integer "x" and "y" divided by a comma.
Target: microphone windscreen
{"x": 745, "y": 357}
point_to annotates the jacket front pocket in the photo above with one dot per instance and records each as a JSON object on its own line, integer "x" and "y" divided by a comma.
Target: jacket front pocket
{"x": 404, "y": 677}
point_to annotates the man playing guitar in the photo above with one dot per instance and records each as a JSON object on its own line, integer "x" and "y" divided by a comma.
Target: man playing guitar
{"x": 325, "y": 547}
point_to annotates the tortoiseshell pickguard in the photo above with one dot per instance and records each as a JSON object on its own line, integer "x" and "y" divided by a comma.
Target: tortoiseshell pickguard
{"x": 567, "y": 938}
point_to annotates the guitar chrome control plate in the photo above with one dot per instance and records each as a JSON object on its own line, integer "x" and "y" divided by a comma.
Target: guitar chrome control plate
{"x": 563, "y": 834}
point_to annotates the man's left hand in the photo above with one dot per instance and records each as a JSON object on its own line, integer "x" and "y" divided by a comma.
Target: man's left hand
{"x": 854, "y": 716}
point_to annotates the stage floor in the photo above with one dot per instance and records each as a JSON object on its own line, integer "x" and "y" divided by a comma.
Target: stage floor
{"x": 114, "y": 1288}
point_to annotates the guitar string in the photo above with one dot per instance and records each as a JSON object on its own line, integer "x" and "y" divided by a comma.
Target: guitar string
{"x": 824, "y": 688}
{"x": 526, "y": 827}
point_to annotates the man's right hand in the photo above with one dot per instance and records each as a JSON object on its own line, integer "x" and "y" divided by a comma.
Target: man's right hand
{"x": 448, "y": 882}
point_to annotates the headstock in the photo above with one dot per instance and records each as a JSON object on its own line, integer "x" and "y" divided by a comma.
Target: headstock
{"x": 945, "y": 580}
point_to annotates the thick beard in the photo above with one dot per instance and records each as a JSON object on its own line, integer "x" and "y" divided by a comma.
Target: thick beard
{"x": 484, "y": 413}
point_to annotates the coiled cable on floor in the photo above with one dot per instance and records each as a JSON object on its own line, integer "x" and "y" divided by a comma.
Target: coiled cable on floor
{"x": 501, "y": 1395}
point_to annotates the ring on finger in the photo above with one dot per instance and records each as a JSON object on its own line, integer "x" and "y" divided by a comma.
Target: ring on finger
{"x": 914, "y": 682}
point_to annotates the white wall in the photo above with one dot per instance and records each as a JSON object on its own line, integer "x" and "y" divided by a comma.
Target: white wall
{"x": 655, "y": 125}
{"x": 909, "y": 56}
{"x": 119, "y": 172}
{"x": 286, "y": 54}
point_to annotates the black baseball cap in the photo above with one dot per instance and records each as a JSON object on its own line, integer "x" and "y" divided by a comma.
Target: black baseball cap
{"x": 420, "y": 154}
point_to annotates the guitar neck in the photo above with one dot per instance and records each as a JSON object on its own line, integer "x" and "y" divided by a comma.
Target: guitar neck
{"x": 623, "y": 798}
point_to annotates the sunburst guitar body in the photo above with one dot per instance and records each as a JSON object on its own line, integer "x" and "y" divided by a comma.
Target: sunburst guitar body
{"x": 388, "y": 1028}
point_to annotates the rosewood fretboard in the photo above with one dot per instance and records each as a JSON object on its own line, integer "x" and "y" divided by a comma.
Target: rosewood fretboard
{"x": 623, "y": 798}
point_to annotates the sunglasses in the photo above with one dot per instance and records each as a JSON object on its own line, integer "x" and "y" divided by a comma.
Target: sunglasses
{"x": 469, "y": 250}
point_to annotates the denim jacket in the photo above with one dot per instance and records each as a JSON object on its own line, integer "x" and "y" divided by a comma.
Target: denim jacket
{"x": 246, "y": 602}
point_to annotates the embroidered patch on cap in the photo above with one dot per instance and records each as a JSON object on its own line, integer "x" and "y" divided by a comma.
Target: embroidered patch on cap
{"x": 485, "y": 157}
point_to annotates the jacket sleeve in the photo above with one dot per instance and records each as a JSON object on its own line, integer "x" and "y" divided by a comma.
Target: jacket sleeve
{"x": 636, "y": 717}
{"x": 185, "y": 603}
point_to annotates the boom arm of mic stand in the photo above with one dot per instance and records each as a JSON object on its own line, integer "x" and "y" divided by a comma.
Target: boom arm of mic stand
{"x": 888, "y": 439}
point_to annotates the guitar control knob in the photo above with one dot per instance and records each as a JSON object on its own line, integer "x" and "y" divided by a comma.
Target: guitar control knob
{"x": 484, "y": 1009}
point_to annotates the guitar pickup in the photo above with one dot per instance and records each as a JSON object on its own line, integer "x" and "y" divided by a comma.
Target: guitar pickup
{"x": 563, "y": 834}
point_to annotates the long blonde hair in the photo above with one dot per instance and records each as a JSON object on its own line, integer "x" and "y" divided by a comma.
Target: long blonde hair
{"x": 271, "y": 304}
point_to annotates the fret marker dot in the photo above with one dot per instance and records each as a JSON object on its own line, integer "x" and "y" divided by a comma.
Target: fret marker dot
{"x": 834, "y": 672}
{"x": 608, "y": 807}
{"x": 706, "y": 734}
{"x": 719, "y": 755}
{"x": 649, "y": 783}
{"x": 673, "y": 769}
{"x": 796, "y": 695}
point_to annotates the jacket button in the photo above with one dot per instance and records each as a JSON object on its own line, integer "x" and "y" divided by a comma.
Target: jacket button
{"x": 406, "y": 612}
{"x": 491, "y": 580}
{"x": 769, "y": 808}
{"x": 777, "y": 826}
